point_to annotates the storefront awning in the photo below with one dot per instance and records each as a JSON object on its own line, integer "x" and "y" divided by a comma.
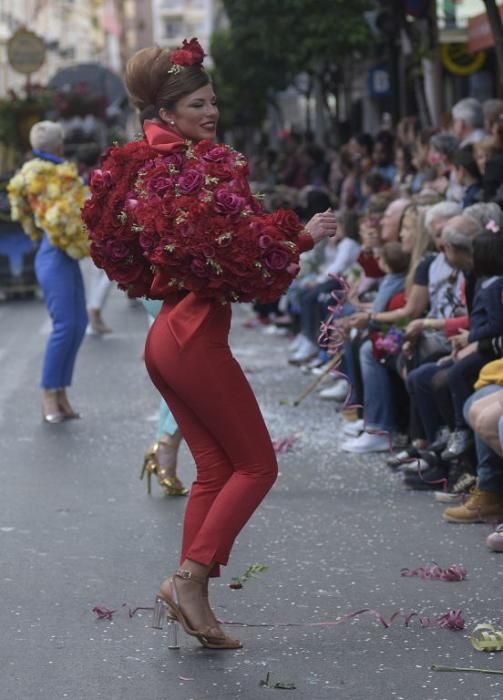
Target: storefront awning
{"x": 479, "y": 32}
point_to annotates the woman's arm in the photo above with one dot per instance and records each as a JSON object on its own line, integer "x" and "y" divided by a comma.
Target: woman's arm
{"x": 416, "y": 306}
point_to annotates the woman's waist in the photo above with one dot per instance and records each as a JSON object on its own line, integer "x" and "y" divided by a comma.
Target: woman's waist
{"x": 188, "y": 315}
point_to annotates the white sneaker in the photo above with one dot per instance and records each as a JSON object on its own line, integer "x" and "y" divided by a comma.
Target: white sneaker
{"x": 294, "y": 345}
{"x": 271, "y": 329}
{"x": 306, "y": 351}
{"x": 337, "y": 392}
{"x": 353, "y": 428}
{"x": 367, "y": 442}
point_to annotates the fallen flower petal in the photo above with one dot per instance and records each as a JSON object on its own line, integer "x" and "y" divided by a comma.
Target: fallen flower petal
{"x": 103, "y": 613}
{"x": 455, "y": 572}
{"x": 284, "y": 444}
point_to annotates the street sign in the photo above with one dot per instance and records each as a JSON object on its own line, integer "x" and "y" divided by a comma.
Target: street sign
{"x": 379, "y": 81}
{"x": 26, "y": 51}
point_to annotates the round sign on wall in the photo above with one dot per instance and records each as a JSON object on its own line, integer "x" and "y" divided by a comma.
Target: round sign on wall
{"x": 458, "y": 60}
{"x": 26, "y": 51}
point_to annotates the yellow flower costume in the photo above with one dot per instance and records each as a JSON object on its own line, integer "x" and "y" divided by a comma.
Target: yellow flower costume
{"x": 46, "y": 196}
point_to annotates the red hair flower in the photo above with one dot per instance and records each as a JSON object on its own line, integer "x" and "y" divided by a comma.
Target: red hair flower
{"x": 191, "y": 53}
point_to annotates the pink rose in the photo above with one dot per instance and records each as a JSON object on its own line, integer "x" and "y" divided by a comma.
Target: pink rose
{"x": 293, "y": 269}
{"x": 190, "y": 181}
{"x": 175, "y": 159}
{"x": 276, "y": 258}
{"x": 264, "y": 241}
{"x": 131, "y": 203}
{"x": 217, "y": 154}
{"x": 228, "y": 203}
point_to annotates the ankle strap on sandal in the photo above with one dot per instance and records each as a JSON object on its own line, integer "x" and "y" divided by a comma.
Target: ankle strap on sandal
{"x": 187, "y": 575}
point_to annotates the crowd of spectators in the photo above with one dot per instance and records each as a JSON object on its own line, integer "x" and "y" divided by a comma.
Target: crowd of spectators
{"x": 418, "y": 261}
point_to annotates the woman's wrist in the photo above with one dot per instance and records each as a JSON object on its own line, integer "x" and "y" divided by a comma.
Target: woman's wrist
{"x": 429, "y": 322}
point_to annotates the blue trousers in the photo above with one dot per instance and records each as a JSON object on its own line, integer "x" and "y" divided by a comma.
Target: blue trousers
{"x": 378, "y": 395}
{"x": 489, "y": 464}
{"x": 60, "y": 279}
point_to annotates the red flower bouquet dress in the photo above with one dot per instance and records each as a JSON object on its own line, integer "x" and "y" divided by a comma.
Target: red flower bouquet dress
{"x": 175, "y": 220}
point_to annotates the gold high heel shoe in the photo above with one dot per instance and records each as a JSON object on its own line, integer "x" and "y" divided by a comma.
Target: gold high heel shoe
{"x": 167, "y": 604}
{"x": 171, "y": 485}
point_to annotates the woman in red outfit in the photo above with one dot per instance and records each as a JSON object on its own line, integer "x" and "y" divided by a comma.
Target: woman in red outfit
{"x": 187, "y": 352}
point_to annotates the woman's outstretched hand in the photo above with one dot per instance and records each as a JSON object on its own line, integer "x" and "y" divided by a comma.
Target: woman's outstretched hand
{"x": 322, "y": 225}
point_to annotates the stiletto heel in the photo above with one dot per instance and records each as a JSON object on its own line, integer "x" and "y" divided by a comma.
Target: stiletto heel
{"x": 173, "y": 634}
{"x": 171, "y": 485}
{"x": 159, "y": 613}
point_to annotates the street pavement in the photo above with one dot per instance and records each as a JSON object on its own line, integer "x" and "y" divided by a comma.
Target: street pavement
{"x": 77, "y": 530}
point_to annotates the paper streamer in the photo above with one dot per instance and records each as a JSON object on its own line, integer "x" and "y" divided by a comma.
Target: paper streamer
{"x": 485, "y": 638}
{"x": 452, "y": 620}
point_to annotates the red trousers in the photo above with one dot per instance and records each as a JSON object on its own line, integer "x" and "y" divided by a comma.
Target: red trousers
{"x": 189, "y": 360}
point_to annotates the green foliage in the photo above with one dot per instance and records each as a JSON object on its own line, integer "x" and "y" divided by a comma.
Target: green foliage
{"x": 269, "y": 42}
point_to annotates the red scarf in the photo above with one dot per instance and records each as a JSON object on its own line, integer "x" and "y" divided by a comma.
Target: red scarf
{"x": 160, "y": 138}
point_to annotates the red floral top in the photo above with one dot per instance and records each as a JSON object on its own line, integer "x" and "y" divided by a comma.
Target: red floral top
{"x": 167, "y": 215}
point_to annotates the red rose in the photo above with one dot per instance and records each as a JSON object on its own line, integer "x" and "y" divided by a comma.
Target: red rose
{"x": 91, "y": 213}
{"x": 100, "y": 181}
{"x": 148, "y": 240}
{"x": 199, "y": 267}
{"x": 190, "y": 54}
{"x": 276, "y": 258}
{"x": 286, "y": 220}
{"x": 116, "y": 250}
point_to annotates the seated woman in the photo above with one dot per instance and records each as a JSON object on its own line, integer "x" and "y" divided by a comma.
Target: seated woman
{"x": 378, "y": 390}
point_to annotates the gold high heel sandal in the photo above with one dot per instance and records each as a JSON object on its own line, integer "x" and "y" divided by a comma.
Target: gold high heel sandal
{"x": 167, "y": 604}
{"x": 171, "y": 485}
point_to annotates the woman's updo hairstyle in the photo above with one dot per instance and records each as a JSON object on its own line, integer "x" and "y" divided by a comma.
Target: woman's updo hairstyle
{"x": 153, "y": 83}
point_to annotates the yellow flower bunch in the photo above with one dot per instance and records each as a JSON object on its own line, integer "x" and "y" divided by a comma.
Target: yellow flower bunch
{"x": 48, "y": 197}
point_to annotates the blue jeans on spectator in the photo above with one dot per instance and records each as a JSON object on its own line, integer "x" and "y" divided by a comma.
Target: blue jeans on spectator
{"x": 378, "y": 395}
{"x": 60, "y": 279}
{"x": 489, "y": 464}
{"x": 461, "y": 378}
{"x": 310, "y": 308}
